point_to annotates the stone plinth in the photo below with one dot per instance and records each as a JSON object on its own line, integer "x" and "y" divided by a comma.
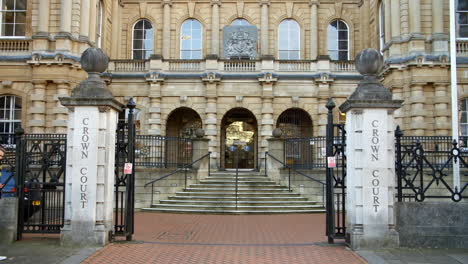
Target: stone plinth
{"x": 275, "y": 149}
{"x": 8, "y": 219}
{"x": 200, "y": 149}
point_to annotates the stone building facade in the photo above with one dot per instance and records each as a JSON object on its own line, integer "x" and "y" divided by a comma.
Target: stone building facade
{"x": 167, "y": 55}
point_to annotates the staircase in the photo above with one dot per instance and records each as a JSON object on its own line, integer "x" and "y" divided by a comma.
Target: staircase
{"x": 257, "y": 194}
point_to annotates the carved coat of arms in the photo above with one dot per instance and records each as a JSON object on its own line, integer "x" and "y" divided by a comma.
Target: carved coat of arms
{"x": 240, "y": 41}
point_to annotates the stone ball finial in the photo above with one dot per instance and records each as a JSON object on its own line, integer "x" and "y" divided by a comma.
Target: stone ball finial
{"x": 277, "y": 132}
{"x": 200, "y": 133}
{"x": 369, "y": 62}
{"x": 94, "y": 60}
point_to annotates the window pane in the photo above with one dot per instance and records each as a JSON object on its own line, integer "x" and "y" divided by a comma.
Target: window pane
{"x": 148, "y": 54}
{"x": 463, "y": 31}
{"x": 8, "y": 17}
{"x": 294, "y": 55}
{"x": 147, "y": 24}
{"x": 18, "y": 102}
{"x": 283, "y": 55}
{"x": 462, "y": 18}
{"x": 185, "y": 44}
{"x": 185, "y": 54}
{"x": 464, "y": 117}
{"x": 8, "y": 4}
{"x": 343, "y": 45}
{"x": 137, "y": 44}
{"x": 196, "y": 44}
{"x": 343, "y": 55}
{"x": 333, "y": 54}
{"x": 137, "y": 34}
{"x": 138, "y": 25}
{"x": 464, "y": 131}
{"x": 462, "y": 5}
{"x": 20, "y": 30}
{"x": 8, "y": 102}
{"x": 20, "y": 5}
{"x": 17, "y": 115}
{"x": 196, "y": 55}
{"x": 21, "y": 17}
{"x": 334, "y": 24}
{"x": 343, "y": 35}
{"x": 283, "y": 42}
{"x": 137, "y": 54}
{"x": 2, "y": 102}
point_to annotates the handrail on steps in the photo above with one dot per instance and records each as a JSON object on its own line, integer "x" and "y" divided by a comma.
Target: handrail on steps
{"x": 290, "y": 168}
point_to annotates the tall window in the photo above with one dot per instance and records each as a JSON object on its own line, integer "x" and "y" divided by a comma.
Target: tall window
{"x": 338, "y": 40}
{"x": 240, "y": 22}
{"x": 142, "y": 40}
{"x": 13, "y": 18}
{"x": 191, "y": 40}
{"x": 289, "y": 34}
{"x": 464, "y": 117}
{"x": 462, "y": 19}
{"x": 10, "y": 117}
{"x": 382, "y": 25}
{"x": 99, "y": 25}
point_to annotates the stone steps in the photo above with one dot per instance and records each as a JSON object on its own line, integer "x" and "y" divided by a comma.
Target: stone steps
{"x": 256, "y": 194}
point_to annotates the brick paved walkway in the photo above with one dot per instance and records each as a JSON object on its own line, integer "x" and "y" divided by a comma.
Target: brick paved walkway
{"x": 205, "y": 239}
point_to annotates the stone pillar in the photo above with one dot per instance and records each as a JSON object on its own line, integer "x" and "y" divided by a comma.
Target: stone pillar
{"x": 388, "y": 15}
{"x": 61, "y": 112}
{"x": 264, "y": 27}
{"x": 395, "y": 25}
{"x": 90, "y": 157}
{"x": 415, "y": 16}
{"x": 155, "y": 104}
{"x": 166, "y": 45}
{"x": 84, "y": 19}
{"x": 211, "y": 81}
{"x": 266, "y": 124}
{"x": 398, "y": 114}
{"x": 418, "y": 113}
{"x": 44, "y": 9}
{"x": 115, "y": 29}
{"x": 200, "y": 149}
{"x": 276, "y": 149}
{"x": 439, "y": 38}
{"x": 215, "y": 26}
{"x": 93, "y": 21}
{"x": 9, "y": 220}
{"x": 370, "y": 179}
{"x": 441, "y": 109}
{"x": 65, "y": 16}
{"x": 38, "y": 109}
{"x": 313, "y": 30}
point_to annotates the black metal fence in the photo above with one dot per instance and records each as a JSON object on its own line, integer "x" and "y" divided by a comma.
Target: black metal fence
{"x": 162, "y": 152}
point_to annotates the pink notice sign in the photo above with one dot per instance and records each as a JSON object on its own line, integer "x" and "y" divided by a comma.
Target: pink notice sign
{"x": 331, "y": 162}
{"x": 128, "y": 168}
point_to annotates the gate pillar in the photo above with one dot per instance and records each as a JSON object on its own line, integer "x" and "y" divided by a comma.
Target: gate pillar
{"x": 370, "y": 152}
{"x": 89, "y": 190}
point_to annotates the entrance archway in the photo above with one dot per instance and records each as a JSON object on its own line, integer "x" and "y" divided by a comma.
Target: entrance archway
{"x": 239, "y": 134}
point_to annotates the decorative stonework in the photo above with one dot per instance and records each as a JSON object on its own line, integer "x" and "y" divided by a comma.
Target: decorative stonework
{"x": 240, "y": 41}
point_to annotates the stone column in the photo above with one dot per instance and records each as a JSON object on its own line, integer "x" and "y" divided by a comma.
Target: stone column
{"x": 9, "y": 220}
{"x": 61, "y": 112}
{"x": 211, "y": 81}
{"x": 93, "y": 21}
{"x": 44, "y": 9}
{"x": 395, "y": 25}
{"x": 418, "y": 113}
{"x": 370, "y": 179}
{"x": 65, "y": 16}
{"x": 215, "y": 26}
{"x": 441, "y": 109}
{"x": 313, "y": 30}
{"x": 439, "y": 38}
{"x": 38, "y": 109}
{"x": 266, "y": 124}
{"x": 90, "y": 157}
{"x": 115, "y": 29}
{"x": 200, "y": 149}
{"x": 388, "y": 15}
{"x": 276, "y": 149}
{"x": 415, "y": 16}
{"x": 398, "y": 114}
{"x": 155, "y": 105}
{"x": 264, "y": 27}
{"x": 84, "y": 19}
{"x": 166, "y": 45}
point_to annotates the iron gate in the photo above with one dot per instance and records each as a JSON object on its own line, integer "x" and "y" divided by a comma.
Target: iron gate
{"x": 124, "y": 181}
{"x": 335, "y": 177}
{"x": 40, "y": 167}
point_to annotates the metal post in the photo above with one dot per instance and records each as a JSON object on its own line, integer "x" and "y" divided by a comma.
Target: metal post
{"x": 19, "y": 178}
{"x": 131, "y": 178}
{"x": 289, "y": 178}
{"x": 398, "y": 135}
{"x": 330, "y": 231}
{"x": 237, "y": 174}
{"x": 266, "y": 163}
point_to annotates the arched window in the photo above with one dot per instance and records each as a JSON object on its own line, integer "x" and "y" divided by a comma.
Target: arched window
{"x": 382, "y": 25}
{"x": 10, "y": 117}
{"x": 289, "y": 39}
{"x": 99, "y": 25}
{"x": 142, "y": 40}
{"x": 338, "y": 40}
{"x": 462, "y": 18}
{"x": 295, "y": 123}
{"x": 191, "y": 40}
{"x": 13, "y": 18}
{"x": 240, "y": 22}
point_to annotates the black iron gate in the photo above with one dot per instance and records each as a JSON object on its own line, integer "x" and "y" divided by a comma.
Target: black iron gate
{"x": 40, "y": 167}
{"x": 125, "y": 174}
{"x": 335, "y": 177}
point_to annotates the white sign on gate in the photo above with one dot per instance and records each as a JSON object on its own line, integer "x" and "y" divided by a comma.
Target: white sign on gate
{"x": 128, "y": 168}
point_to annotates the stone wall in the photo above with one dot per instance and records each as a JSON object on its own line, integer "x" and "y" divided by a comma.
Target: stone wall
{"x": 433, "y": 224}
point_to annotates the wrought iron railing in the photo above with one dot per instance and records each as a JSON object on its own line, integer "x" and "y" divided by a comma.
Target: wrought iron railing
{"x": 162, "y": 152}
{"x": 424, "y": 168}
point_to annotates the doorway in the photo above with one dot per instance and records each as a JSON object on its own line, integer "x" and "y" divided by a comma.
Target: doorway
{"x": 239, "y": 141}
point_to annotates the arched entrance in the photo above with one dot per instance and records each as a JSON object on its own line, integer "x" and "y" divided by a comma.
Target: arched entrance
{"x": 239, "y": 133}
{"x": 181, "y": 125}
{"x": 295, "y": 123}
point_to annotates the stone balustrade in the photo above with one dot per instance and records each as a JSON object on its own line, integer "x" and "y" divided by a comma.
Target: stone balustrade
{"x": 223, "y": 65}
{"x": 462, "y": 48}
{"x": 15, "y": 45}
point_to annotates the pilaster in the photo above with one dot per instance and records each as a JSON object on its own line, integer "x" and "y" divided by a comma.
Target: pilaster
{"x": 155, "y": 82}
{"x": 395, "y": 49}
{"x": 266, "y": 131}
{"x": 441, "y": 109}
{"x": 215, "y": 4}
{"x": 84, "y": 20}
{"x": 313, "y": 29}
{"x": 166, "y": 45}
{"x": 418, "y": 113}
{"x": 264, "y": 27}
{"x": 44, "y": 10}
{"x": 211, "y": 81}
{"x": 93, "y": 21}
{"x": 115, "y": 29}
{"x": 61, "y": 112}
{"x": 38, "y": 109}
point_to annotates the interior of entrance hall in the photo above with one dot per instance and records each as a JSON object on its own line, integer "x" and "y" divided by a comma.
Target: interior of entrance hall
{"x": 239, "y": 139}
